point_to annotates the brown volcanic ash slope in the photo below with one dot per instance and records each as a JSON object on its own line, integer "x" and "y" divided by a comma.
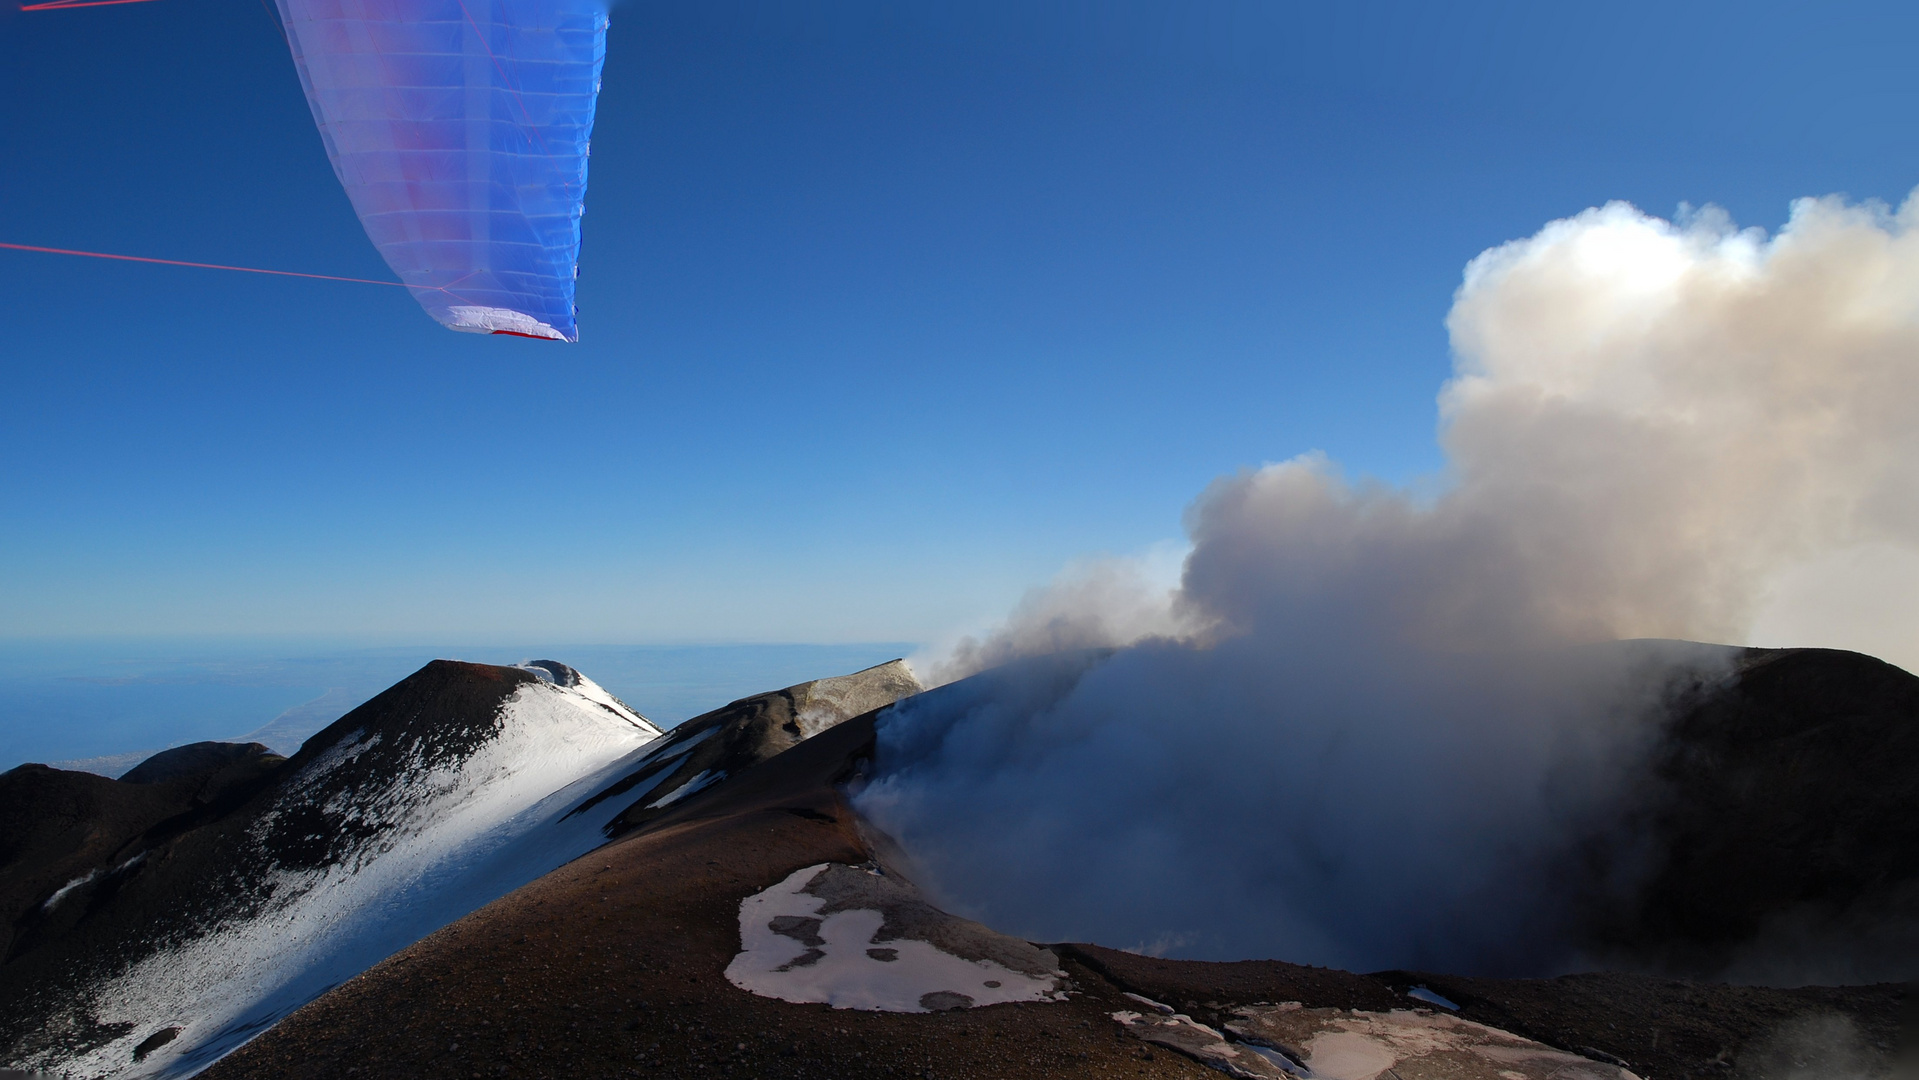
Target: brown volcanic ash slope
{"x": 616, "y": 965}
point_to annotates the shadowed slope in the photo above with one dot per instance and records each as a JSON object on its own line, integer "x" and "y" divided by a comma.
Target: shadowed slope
{"x": 1783, "y": 809}
{"x": 60, "y": 831}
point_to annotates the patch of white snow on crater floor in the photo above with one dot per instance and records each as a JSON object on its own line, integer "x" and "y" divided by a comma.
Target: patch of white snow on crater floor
{"x": 856, "y": 938}
{"x": 1341, "y": 1044}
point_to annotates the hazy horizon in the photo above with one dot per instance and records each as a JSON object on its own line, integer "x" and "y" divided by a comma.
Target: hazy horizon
{"x": 75, "y": 701}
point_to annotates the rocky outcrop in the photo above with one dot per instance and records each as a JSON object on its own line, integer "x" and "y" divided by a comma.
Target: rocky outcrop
{"x": 707, "y": 749}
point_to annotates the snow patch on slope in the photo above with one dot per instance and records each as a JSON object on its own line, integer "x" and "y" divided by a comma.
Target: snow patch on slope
{"x": 443, "y": 842}
{"x": 706, "y": 779}
{"x": 60, "y": 893}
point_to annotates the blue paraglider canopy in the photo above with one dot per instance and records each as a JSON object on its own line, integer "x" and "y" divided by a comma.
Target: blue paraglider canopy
{"x": 460, "y": 130}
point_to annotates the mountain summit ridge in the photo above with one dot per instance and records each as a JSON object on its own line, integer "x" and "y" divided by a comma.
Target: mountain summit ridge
{"x": 213, "y": 923}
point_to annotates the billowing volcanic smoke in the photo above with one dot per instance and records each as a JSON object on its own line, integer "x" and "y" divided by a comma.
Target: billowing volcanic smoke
{"x": 1366, "y": 727}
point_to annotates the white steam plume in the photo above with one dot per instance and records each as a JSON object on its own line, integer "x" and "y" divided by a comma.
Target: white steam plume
{"x": 1363, "y": 726}
{"x": 1111, "y": 600}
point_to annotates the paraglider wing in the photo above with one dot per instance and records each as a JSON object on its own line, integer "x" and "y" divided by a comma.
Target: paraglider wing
{"x": 459, "y": 129}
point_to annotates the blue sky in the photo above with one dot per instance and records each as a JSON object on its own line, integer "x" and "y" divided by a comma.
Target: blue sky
{"x": 887, "y": 311}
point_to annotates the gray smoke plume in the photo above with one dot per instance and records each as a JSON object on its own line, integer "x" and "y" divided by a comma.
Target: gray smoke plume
{"x": 1365, "y": 725}
{"x": 1819, "y": 1046}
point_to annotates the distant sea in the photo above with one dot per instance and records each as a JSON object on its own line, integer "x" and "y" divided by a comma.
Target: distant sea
{"x": 103, "y": 705}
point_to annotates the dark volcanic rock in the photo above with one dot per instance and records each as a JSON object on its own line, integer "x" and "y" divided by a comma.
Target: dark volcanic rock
{"x": 68, "y": 839}
{"x": 61, "y": 830}
{"x": 710, "y": 747}
{"x": 196, "y": 761}
{"x": 1185, "y": 983}
{"x": 1779, "y": 830}
{"x": 1667, "y": 1029}
{"x": 552, "y": 671}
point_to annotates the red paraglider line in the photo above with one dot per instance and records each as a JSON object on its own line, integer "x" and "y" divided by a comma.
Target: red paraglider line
{"x": 58, "y": 5}
{"x": 199, "y": 265}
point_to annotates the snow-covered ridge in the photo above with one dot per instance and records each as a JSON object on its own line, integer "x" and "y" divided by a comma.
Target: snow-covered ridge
{"x": 555, "y": 673}
{"x": 376, "y": 841}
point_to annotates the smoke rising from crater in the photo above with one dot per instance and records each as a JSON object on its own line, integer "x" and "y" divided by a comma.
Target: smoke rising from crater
{"x": 1363, "y": 723}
